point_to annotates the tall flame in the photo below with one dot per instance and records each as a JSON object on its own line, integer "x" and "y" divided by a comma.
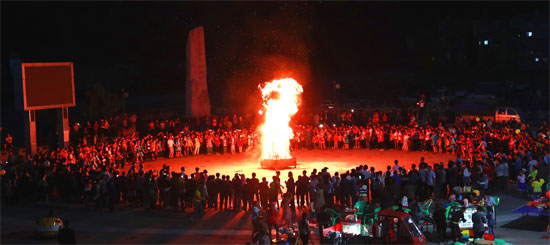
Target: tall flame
{"x": 280, "y": 102}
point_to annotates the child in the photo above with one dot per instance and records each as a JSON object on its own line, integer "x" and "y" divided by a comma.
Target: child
{"x": 521, "y": 181}
{"x": 537, "y": 188}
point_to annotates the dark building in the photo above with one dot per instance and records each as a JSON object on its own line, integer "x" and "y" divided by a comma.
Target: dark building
{"x": 520, "y": 44}
{"x": 515, "y": 44}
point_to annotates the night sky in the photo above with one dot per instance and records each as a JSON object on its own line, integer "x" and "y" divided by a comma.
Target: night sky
{"x": 140, "y": 46}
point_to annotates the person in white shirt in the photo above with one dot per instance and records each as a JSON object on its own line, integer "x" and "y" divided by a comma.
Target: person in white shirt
{"x": 396, "y": 167}
{"x": 170, "y": 144}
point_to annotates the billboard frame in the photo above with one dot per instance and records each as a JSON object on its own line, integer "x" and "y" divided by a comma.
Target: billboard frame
{"x": 46, "y": 64}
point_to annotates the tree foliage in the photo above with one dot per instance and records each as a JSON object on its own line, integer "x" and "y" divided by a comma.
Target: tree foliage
{"x": 102, "y": 103}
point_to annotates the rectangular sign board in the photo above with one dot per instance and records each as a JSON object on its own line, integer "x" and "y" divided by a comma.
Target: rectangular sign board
{"x": 48, "y": 85}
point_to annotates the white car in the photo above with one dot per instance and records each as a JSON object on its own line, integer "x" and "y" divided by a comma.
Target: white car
{"x": 505, "y": 114}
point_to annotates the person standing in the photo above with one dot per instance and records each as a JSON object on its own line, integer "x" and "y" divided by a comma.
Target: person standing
{"x": 170, "y": 143}
{"x": 274, "y": 190}
{"x": 302, "y": 189}
{"x": 537, "y": 188}
{"x": 319, "y": 198}
{"x": 405, "y": 141}
{"x": 188, "y": 146}
{"x": 285, "y": 205}
{"x": 224, "y": 144}
{"x": 483, "y": 184}
{"x": 254, "y": 185}
{"x": 198, "y": 197}
{"x": 264, "y": 193}
{"x": 237, "y": 187}
{"x": 197, "y": 146}
{"x": 522, "y": 187}
{"x": 233, "y": 144}
{"x": 209, "y": 145}
{"x": 240, "y": 143}
{"x": 440, "y": 221}
{"x": 479, "y": 220}
{"x": 456, "y": 217}
{"x": 273, "y": 220}
{"x": 304, "y": 228}
{"x": 430, "y": 179}
{"x": 396, "y": 166}
{"x": 224, "y": 185}
{"x": 491, "y": 221}
{"x": 500, "y": 178}
{"x": 291, "y": 189}
{"x": 324, "y": 220}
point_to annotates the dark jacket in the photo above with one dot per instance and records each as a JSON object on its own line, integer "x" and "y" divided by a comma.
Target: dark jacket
{"x": 478, "y": 218}
{"x": 457, "y": 216}
{"x": 439, "y": 217}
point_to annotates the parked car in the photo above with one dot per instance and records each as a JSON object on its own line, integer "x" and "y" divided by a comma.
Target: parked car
{"x": 505, "y": 114}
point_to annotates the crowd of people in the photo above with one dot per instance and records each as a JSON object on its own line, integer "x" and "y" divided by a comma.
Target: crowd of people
{"x": 104, "y": 166}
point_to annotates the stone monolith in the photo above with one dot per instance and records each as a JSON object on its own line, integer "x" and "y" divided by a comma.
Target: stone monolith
{"x": 197, "y": 100}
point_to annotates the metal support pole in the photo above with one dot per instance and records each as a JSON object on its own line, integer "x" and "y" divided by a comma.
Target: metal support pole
{"x": 30, "y": 132}
{"x": 63, "y": 126}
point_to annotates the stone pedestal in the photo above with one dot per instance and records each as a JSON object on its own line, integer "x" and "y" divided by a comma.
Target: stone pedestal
{"x": 197, "y": 102}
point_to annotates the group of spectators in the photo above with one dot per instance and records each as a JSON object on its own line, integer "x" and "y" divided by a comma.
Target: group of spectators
{"x": 93, "y": 168}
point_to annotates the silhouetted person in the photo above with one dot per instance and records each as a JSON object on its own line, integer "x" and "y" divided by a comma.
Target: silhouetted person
{"x": 66, "y": 234}
{"x": 440, "y": 221}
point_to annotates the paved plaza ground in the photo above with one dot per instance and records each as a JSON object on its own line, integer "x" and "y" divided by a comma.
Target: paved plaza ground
{"x": 337, "y": 160}
{"x": 130, "y": 225}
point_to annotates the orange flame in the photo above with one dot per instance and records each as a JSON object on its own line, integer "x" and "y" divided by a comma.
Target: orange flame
{"x": 281, "y": 100}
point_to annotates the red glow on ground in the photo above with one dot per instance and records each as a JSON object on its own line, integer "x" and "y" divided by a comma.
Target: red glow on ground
{"x": 335, "y": 160}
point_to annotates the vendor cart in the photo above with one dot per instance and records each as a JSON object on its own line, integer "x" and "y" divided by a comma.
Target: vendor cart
{"x": 393, "y": 226}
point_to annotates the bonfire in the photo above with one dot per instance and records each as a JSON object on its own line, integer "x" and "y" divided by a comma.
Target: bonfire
{"x": 281, "y": 99}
